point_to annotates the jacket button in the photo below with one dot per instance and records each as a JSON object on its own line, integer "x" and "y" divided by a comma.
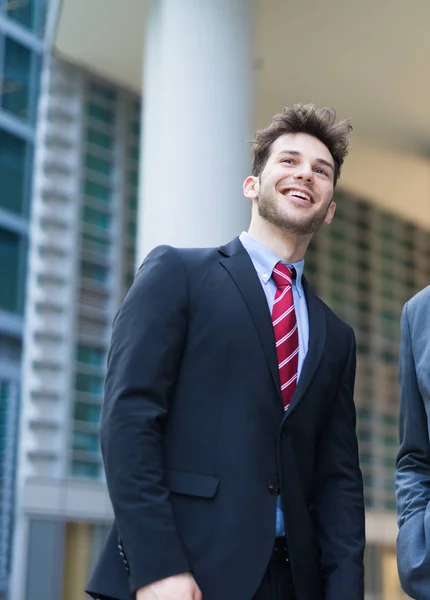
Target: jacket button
{"x": 274, "y": 489}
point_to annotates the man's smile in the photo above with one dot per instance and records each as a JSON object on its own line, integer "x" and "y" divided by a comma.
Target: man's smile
{"x": 298, "y": 194}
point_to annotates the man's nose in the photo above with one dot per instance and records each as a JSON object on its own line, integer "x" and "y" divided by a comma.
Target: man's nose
{"x": 304, "y": 173}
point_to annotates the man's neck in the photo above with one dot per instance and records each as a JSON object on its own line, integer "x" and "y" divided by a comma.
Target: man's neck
{"x": 288, "y": 247}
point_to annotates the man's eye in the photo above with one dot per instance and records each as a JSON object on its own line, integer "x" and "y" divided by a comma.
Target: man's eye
{"x": 288, "y": 160}
{"x": 322, "y": 172}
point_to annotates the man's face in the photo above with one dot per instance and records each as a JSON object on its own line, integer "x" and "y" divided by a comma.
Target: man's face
{"x": 295, "y": 189}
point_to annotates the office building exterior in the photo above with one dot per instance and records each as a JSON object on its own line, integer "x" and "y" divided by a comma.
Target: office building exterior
{"x": 81, "y": 263}
{"x": 21, "y": 49}
{"x": 107, "y": 189}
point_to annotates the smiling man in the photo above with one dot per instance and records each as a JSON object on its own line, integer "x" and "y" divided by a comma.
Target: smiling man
{"x": 228, "y": 426}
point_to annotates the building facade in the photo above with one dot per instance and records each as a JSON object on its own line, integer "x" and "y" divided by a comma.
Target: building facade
{"x": 22, "y": 26}
{"x": 81, "y": 263}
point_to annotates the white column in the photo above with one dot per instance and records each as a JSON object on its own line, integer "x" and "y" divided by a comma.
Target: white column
{"x": 197, "y": 122}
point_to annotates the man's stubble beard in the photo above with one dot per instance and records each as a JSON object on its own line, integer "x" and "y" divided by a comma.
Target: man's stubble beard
{"x": 270, "y": 212}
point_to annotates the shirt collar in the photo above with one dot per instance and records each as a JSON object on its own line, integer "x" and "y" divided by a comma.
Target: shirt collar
{"x": 264, "y": 259}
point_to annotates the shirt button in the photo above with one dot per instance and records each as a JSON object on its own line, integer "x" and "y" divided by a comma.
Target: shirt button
{"x": 274, "y": 489}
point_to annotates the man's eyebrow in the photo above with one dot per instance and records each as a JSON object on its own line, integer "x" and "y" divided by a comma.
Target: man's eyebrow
{"x": 321, "y": 161}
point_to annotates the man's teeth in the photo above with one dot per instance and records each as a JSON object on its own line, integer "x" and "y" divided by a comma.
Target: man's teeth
{"x": 299, "y": 194}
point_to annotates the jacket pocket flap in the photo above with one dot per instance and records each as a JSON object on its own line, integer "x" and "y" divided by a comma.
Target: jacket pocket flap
{"x": 193, "y": 484}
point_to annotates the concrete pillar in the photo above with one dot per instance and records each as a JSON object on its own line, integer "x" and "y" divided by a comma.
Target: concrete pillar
{"x": 197, "y": 119}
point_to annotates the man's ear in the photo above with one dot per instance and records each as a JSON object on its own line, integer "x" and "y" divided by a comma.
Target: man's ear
{"x": 330, "y": 213}
{"x": 251, "y": 187}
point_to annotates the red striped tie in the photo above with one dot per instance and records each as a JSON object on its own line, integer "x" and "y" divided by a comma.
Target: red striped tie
{"x": 285, "y": 329}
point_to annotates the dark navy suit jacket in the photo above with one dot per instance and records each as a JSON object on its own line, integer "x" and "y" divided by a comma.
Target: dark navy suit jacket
{"x": 196, "y": 444}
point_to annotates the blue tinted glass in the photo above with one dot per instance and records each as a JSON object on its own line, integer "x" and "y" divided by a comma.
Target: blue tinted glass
{"x": 89, "y": 383}
{"x": 16, "y": 82}
{"x": 13, "y": 171}
{"x": 94, "y": 272}
{"x": 132, "y": 228}
{"x": 134, "y": 177}
{"x": 4, "y": 397}
{"x": 101, "y": 113}
{"x": 99, "y": 138}
{"x": 99, "y": 165}
{"x": 132, "y": 202}
{"x": 90, "y": 355}
{"x": 96, "y": 190}
{"x": 30, "y": 13}
{"x": 87, "y": 412}
{"x": 87, "y": 442}
{"x": 84, "y": 469}
{"x": 95, "y": 243}
{"x": 10, "y": 255}
{"x": 96, "y": 217}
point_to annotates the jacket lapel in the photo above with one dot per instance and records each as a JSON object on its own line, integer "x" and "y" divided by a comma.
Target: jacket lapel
{"x": 317, "y": 337}
{"x": 239, "y": 265}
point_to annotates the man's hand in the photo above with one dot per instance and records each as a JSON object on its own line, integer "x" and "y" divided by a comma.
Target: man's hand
{"x": 178, "y": 587}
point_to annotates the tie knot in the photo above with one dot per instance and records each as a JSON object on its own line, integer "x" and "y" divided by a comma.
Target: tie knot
{"x": 282, "y": 275}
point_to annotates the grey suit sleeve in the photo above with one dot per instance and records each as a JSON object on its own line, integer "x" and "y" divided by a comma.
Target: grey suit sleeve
{"x": 412, "y": 476}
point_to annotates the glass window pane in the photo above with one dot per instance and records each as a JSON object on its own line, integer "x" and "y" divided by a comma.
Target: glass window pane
{"x": 95, "y": 272}
{"x": 132, "y": 202}
{"x": 90, "y": 355}
{"x": 96, "y": 217}
{"x": 95, "y": 243}
{"x": 89, "y": 413}
{"x": 135, "y": 129}
{"x": 4, "y": 398}
{"x": 364, "y": 435}
{"x": 135, "y": 152}
{"x": 101, "y": 113}
{"x": 366, "y": 458}
{"x": 99, "y": 165}
{"x": 132, "y": 228}
{"x": 99, "y": 138}
{"x": 100, "y": 192}
{"x": 134, "y": 178}
{"x": 29, "y": 13}
{"x": 364, "y": 414}
{"x": 13, "y": 170}
{"x": 4, "y": 391}
{"x": 10, "y": 252}
{"x": 92, "y": 384}
{"x": 83, "y": 469}
{"x": 87, "y": 442}
{"x": 136, "y": 107}
{"x": 17, "y": 74}
{"x": 130, "y": 254}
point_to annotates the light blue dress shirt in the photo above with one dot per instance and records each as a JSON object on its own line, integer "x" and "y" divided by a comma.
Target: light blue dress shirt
{"x": 264, "y": 260}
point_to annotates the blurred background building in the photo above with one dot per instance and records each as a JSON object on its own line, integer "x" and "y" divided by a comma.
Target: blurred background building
{"x": 21, "y": 51}
{"x": 86, "y": 191}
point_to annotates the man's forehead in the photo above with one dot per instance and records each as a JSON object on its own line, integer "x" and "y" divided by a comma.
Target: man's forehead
{"x": 305, "y": 144}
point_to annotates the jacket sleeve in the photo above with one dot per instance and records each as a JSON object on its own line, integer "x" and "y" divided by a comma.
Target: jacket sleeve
{"x": 412, "y": 475}
{"x": 148, "y": 339}
{"x": 338, "y": 498}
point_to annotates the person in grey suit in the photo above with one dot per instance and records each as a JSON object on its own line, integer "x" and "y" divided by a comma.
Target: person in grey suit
{"x": 413, "y": 459}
